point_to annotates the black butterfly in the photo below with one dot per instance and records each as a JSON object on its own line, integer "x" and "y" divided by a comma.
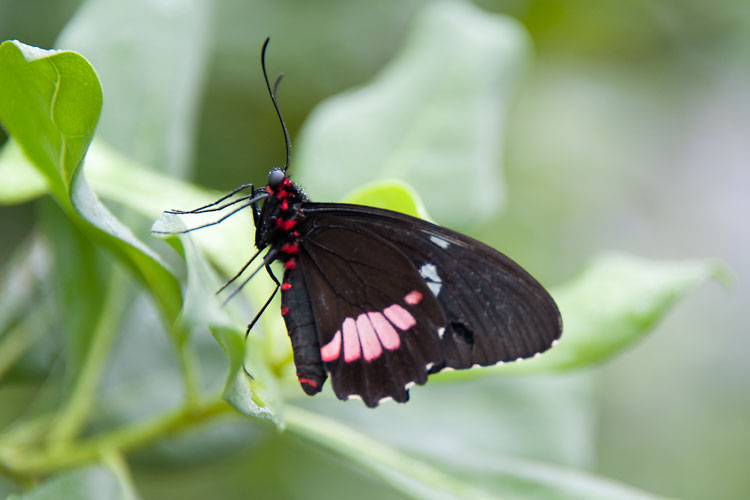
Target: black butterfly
{"x": 379, "y": 300}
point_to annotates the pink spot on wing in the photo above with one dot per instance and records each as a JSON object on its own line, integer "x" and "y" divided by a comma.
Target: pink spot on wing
{"x": 371, "y": 347}
{"x": 413, "y": 298}
{"x": 386, "y": 333}
{"x": 352, "y": 351}
{"x": 399, "y": 317}
{"x": 330, "y": 351}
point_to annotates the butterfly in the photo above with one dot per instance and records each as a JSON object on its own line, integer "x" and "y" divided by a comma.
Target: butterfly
{"x": 378, "y": 300}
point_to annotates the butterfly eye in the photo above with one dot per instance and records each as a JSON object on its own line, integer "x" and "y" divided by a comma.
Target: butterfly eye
{"x": 275, "y": 177}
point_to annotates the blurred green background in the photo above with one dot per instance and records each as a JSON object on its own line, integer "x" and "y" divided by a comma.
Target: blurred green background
{"x": 630, "y": 131}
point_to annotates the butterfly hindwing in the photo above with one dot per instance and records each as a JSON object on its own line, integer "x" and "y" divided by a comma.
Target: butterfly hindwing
{"x": 495, "y": 311}
{"x": 377, "y": 322}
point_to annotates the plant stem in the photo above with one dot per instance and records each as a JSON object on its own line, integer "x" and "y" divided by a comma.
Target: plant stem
{"x": 114, "y": 460}
{"x": 52, "y": 459}
{"x": 188, "y": 365}
{"x": 15, "y": 343}
{"x": 73, "y": 415}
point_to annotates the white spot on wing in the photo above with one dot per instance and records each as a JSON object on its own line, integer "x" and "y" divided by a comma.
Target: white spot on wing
{"x": 409, "y": 385}
{"x": 439, "y": 242}
{"x": 441, "y": 332}
{"x": 383, "y": 400}
{"x": 354, "y": 396}
{"x": 429, "y": 366}
{"x": 429, "y": 273}
{"x": 447, "y": 369}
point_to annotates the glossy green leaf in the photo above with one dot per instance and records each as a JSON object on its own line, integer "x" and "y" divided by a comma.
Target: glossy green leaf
{"x": 617, "y": 300}
{"x": 434, "y": 117}
{"x": 50, "y": 106}
{"x": 476, "y": 478}
{"x": 391, "y": 195}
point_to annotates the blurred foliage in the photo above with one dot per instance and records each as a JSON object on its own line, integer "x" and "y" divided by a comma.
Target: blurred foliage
{"x": 114, "y": 380}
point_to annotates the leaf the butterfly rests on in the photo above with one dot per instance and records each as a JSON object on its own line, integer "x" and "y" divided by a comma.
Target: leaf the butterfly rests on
{"x": 378, "y": 300}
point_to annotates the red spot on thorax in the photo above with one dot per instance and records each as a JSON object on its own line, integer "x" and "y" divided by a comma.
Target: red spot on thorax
{"x": 286, "y": 286}
{"x": 284, "y": 311}
{"x": 290, "y": 264}
{"x": 285, "y": 224}
{"x": 269, "y": 190}
{"x": 285, "y": 205}
{"x": 290, "y": 248}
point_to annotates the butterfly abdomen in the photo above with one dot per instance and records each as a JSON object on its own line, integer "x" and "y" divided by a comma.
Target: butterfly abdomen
{"x": 297, "y": 311}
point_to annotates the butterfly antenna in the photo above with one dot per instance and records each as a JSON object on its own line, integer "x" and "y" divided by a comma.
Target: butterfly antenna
{"x": 274, "y": 97}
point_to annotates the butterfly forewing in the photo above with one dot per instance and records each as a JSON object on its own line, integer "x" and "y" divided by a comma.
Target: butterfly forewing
{"x": 378, "y": 325}
{"x": 495, "y": 311}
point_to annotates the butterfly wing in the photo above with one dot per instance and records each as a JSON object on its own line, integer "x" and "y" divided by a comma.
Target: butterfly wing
{"x": 355, "y": 305}
{"x": 494, "y": 310}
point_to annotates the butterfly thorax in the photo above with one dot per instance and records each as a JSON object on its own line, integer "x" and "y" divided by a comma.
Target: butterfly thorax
{"x": 280, "y": 218}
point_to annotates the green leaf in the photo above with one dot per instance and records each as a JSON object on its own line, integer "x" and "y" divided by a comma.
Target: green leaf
{"x": 524, "y": 479}
{"x": 21, "y": 181}
{"x": 469, "y": 478}
{"x": 616, "y": 301}
{"x": 50, "y": 105}
{"x": 434, "y": 117}
{"x": 412, "y": 476}
{"x": 92, "y": 483}
{"x": 391, "y": 195}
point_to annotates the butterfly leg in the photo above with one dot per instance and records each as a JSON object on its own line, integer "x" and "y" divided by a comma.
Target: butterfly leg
{"x": 239, "y": 273}
{"x": 210, "y": 206}
{"x": 262, "y": 309}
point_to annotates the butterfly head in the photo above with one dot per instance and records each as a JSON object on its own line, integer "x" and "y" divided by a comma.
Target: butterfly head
{"x": 280, "y": 211}
{"x": 275, "y": 178}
